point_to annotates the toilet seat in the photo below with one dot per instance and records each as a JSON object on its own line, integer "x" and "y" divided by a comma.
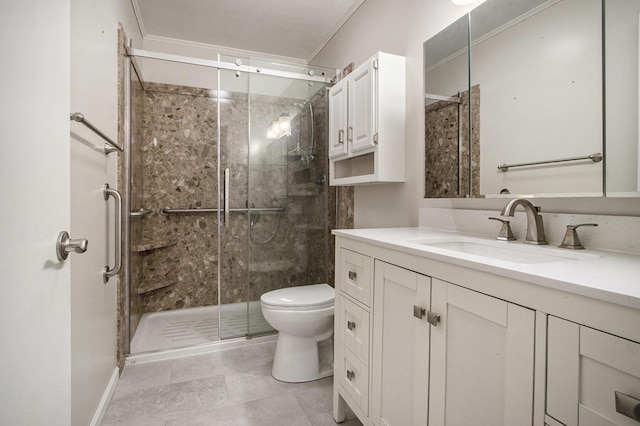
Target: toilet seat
{"x": 303, "y": 298}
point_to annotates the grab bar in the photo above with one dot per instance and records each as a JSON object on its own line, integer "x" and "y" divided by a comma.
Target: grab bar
{"x": 167, "y": 211}
{"x": 107, "y": 272}
{"x": 140, "y": 213}
{"x": 596, "y": 157}
{"x": 79, "y": 117}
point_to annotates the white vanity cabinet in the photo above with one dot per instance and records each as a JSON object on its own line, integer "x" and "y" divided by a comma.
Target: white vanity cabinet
{"x": 479, "y": 349}
{"x": 400, "y": 367}
{"x": 353, "y": 332}
{"x": 421, "y": 340}
{"x": 482, "y": 359}
{"x": 367, "y": 123}
{"x": 593, "y": 378}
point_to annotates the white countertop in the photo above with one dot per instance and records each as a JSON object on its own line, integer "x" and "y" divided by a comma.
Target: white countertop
{"x": 604, "y": 275}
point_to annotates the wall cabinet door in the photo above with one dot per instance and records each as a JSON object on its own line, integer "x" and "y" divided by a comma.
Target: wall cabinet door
{"x": 338, "y": 119}
{"x": 482, "y": 359}
{"x": 400, "y": 367}
{"x": 593, "y": 378}
{"x": 362, "y": 113}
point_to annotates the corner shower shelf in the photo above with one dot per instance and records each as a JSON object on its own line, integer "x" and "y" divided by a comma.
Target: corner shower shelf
{"x": 146, "y": 287}
{"x": 148, "y": 245}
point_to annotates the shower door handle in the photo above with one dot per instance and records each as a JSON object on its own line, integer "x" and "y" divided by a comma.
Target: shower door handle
{"x": 110, "y": 272}
{"x": 225, "y": 201}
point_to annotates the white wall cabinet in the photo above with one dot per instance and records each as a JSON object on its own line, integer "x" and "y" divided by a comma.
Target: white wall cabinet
{"x": 367, "y": 123}
{"x": 593, "y": 378}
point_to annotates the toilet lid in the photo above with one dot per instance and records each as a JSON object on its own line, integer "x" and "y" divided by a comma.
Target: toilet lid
{"x": 316, "y": 296}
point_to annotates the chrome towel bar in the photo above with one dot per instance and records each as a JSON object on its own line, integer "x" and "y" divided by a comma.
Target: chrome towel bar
{"x": 79, "y": 117}
{"x": 167, "y": 211}
{"x": 596, "y": 157}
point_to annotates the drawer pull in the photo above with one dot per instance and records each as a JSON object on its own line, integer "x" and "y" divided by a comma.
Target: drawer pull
{"x": 433, "y": 318}
{"x": 353, "y": 275}
{"x": 628, "y": 406}
{"x": 351, "y": 325}
{"x": 351, "y": 375}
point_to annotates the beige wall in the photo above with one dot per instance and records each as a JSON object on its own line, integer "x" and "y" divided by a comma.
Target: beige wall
{"x": 401, "y": 27}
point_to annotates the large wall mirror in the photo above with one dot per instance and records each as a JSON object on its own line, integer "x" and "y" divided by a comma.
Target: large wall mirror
{"x": 514, "y": 101}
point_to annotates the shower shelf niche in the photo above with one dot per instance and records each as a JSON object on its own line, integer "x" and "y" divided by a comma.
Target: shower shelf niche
{"x": 146, "y": 287}
{"x": 148, "y": 245}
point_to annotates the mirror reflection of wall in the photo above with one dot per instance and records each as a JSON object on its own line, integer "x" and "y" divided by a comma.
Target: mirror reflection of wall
{"x": 621, "y": 24}
{"x": 538, "y": 73}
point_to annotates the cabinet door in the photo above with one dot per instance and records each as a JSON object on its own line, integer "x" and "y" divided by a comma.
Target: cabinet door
{"x": 338, "y": 119}
{"x": 400, "y": 366}
{"x": 593, "y": 378}
{"x": 482, "y": 359}
{"x": 362, "y": 107}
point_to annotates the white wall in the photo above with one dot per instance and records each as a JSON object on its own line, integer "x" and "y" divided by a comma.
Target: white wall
{"x": 94, "y": 92}
{"x": 34, "y": 177}
{"x": 401, "y": 27}
{"x": 59, "y": 56}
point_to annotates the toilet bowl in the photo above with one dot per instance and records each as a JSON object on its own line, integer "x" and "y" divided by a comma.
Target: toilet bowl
{"x": 303, "y": 317}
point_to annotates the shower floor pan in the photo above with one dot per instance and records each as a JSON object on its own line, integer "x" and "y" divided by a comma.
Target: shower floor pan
{"x": 193, "y": 326}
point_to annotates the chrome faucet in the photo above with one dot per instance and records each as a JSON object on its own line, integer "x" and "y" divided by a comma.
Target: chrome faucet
{"x": 535, "y": 227}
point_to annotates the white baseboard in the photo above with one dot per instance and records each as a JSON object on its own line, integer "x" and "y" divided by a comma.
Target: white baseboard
{"x": 106, "y": 398}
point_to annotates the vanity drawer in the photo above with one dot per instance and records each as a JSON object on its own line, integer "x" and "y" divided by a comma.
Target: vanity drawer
{"x": 355, "y": 276}
{"x": 595, "y": 376}
{"x": 354, "y": 331}
{"x": 354, "y": 379}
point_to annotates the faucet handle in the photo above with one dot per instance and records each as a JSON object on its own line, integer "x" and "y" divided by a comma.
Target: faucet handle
{"x": 505, "y": 232}
{"x": 571, "y": 240}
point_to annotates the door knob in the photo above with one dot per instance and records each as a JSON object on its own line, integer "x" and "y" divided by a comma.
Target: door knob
{"x": 66, "y": 245}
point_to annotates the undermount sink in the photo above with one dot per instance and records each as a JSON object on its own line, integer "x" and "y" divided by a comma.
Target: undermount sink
{"x": 514, "y": 252}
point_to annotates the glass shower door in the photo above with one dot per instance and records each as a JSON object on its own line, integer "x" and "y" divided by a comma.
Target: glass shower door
{"x": 287, "y": 169}
{"x": 233, "y": 247}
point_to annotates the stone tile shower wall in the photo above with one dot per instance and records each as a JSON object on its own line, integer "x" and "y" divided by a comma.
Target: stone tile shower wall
{"x": 178, "y": 254}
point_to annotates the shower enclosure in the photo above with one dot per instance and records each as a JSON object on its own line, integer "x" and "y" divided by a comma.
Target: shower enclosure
{"x": 227, "y": 189}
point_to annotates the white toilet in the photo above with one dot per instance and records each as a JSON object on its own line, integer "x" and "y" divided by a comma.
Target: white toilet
{"x": 303, "y": 317}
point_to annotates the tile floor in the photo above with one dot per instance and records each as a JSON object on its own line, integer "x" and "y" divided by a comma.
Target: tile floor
{"x": 230, "y": 387}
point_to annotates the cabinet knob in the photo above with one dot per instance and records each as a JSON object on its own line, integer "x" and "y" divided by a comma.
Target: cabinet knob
{"x": 418, "y": 311}
{"x": 353, "y": 275}
{"x": 351, "y": 325}
{"x": 351, "y": 375}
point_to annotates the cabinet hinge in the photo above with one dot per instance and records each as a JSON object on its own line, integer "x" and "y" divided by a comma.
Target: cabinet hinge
{"x": 375, "y": 138}
{"x": 375, "y": 64}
